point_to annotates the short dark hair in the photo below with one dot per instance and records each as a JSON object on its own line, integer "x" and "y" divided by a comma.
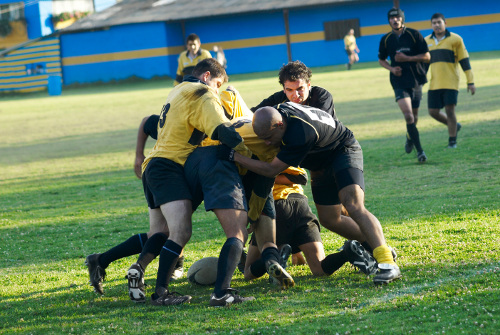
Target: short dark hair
{"x": 294, "y": 71}
{"x": 193, "y": 37}
{"x": 213, "y": 66}
{"x": 438, "y": 16}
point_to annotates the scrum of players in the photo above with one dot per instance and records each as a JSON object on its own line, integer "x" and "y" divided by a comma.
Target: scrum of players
{"x": 248, "y": 166}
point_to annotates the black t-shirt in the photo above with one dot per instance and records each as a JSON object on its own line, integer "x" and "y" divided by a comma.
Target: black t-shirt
{"x": 312, "y": 136}
{"x": 151, "y": 126}
{"x": 411, "y": 43}
{"x": 318, "y": 97}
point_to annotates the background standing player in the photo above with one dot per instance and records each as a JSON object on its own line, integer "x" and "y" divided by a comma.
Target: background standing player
{"x": 407, "y": 50}
{"x": 188, "y": 59}
{"x": 447, "y": 51}
{"x": 351, "y": 48}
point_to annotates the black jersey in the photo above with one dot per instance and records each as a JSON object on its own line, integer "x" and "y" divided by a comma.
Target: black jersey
{"x": 411, "y": 43}
{"x": 312, "y": 136}
{"x": 318, "y": 97}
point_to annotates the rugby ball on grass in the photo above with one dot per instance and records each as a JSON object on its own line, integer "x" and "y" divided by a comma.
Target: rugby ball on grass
{"x": 203, "y": 271}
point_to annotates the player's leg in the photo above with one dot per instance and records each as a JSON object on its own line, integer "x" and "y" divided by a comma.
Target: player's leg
{"x": 352, "y": 197}
{"x": 97, "y": 263}
{"x": 331, "y": 219}
{"x": 233, "y": 223}
{"x": 166, "y": 190}
{"x": 265, "y": 233}
{"x": 254, "y": 265}
{"x": 314, "y": 254}
{"x": 180, "y": 227}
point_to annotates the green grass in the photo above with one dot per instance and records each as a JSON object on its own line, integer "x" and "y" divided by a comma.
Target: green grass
{"x": 67, "y": 189}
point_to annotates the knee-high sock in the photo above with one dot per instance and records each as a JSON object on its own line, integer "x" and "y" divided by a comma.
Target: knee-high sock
{"x": 168, "y": 258}
{"x": 333, "y": 262}
{"x": 258, "y": 268}
{"x": 151, "y": 249}
{"x": 414, "y": 136}
{"x": 229, "y": 257}
{"x": 132, "y": 246}
{"x": 270, "y": 254}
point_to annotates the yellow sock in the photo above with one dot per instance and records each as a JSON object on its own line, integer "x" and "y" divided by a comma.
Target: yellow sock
{"x": 383, "y": 254}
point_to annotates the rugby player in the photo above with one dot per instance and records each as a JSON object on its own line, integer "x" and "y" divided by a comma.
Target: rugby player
{"x": 313, "y": 139}
{"x": 407, "y": 50}
{"x": 298, "y": 229}
{"x": 447, "y": 51}
{"x": 295, "y": 77}
{"x": 188, "y": 59}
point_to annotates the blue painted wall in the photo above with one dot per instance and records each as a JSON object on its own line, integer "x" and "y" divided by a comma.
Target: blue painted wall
{"x": 255, "y": 43}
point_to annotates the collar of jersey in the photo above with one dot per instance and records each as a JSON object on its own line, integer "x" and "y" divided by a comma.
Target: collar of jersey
{"x": 193, "y": 79}
{"x": 446, "y": 34}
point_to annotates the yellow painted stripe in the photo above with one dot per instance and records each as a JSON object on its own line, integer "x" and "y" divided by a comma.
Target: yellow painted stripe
{"x": 24, "y": 78}
{"x": 33, "y": 50}
{"x": 34, "y": 55}
{"x": 267, "y": 41}
{"x": 117, "y": 56}
{"x": 13, "y": 74}
{"x": 21, "y": 85}
{"x": 13, "y": 68}
{"x": 450, "y": 23}
{"x": 31, "y": 61}
{"x": 26, "y": 90}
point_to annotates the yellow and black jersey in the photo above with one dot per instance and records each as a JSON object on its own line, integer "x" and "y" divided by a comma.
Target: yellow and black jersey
{"x": 186, "y": 65}
{"x": 259, "y": 148}
{"x": 446, "y": 54}
{"x": 234, "y": 107}
{"x": 350, "y": 42}
{"x": 281, "y": 191}
{"x": 192, "y": 111}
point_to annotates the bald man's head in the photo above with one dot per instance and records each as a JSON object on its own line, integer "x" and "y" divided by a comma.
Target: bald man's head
{"x": 268, "y": 125}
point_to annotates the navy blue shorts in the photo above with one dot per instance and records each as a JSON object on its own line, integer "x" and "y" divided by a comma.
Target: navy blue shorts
{"x": 214, "y": 181}
{"x": 295, "y": 222}
{"x": 437, "y": 99}
{"x": 163, "y": 181}
{"x": 414, "y": 93}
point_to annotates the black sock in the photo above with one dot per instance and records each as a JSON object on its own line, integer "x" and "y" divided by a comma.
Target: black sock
{"x": 130, "y": 247}
{"x": 151, "y": 249}
{"x": 452, "y": 139}
{"x": 168, "y": 258}
{"x": 333, "y": 262}
{"x": 229, "y": 257}
{"x": 270, "y": 254}
{"x": 367, "y": 247}
{"x": 414, "y": 136}
{"x": 258, "y": 268}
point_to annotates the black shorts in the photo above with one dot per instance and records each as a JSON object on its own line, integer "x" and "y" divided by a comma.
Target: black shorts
{"x": 163, "y": 181}
{"x": 437, "y": 99}
{"x": 295, "y": 222}
{"x": 214, "y": 181}
{"x": 349, "y": 52}
{"x": 326, "y": 184}
{"x": 414, "y": 93}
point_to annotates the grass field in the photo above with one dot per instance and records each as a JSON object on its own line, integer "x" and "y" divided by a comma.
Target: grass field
{"x": 67, "y": 189}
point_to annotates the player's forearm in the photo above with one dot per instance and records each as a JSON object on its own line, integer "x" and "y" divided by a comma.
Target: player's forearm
{"x": 425, "y": 57}
{"x": 259, "y": 167}
{"x": 385, "y": 64}
{"x": 142, "y": 138}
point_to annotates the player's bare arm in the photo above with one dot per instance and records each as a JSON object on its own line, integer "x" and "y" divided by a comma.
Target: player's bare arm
{"x": 270, "y": 170}
{"x": 142, "y": 137}
{"x": 396, "y": 70}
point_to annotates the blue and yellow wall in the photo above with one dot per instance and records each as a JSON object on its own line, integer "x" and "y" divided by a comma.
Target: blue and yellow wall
{"x": 28, "y": 68}
{"x": 257, "y": 42}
